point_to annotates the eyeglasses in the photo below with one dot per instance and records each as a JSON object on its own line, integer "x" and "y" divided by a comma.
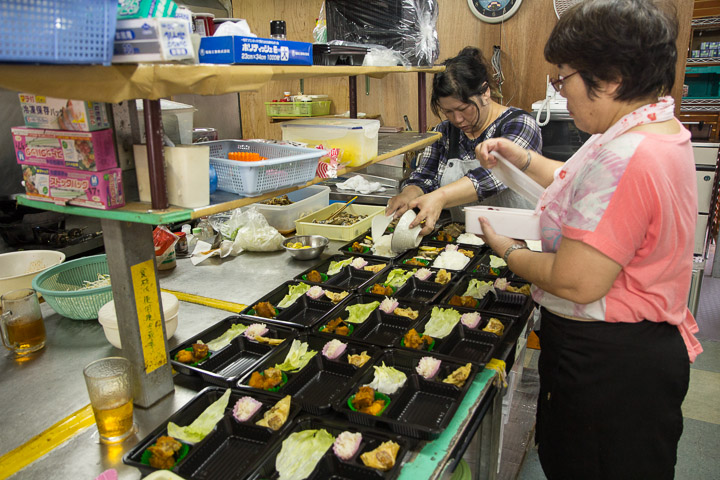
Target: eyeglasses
{"x": 557, "y": 83}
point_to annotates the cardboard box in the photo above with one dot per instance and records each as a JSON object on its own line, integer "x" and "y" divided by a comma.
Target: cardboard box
{"x": 251, "y": 50}
{"x": 102, "y": 190}
{"x": 152, "y": 40}
{"x": 90, "y": 151}
{"x": 145, "y": 8}
{"x": 61, "y": 114}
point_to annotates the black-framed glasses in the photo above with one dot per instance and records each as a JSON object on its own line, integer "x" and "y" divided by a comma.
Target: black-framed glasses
{"x": 557, "y": 83}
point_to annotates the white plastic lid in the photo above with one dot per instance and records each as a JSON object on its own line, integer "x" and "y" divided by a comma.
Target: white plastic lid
{"x": 513, "y": 178}
{"x": 107, "y": 316}
{"x": 346, "y": 123}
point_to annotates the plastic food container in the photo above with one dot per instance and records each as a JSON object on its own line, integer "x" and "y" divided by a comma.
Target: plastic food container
{"x": 107, "y": 316}
{"x": 305, "y": 201}
{"x": 510, "y": 222}
{"x": 297, "y": 109}
{"x": 177, "y": 119}
{"x": 19, "y": 268}
{"x": 305, "y": 225}
{"x": 356, "y": 138}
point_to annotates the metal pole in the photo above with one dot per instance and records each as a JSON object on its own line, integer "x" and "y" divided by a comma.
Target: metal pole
{"x": 352, "y": 83}
{"x": 422, "y": 103}
{"x": 156, "y": 158}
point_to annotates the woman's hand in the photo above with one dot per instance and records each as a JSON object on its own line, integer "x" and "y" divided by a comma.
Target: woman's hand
{"x": 498, "y": 243}
{"x": 430, "y": 206}
{"x": 399, "y": 204}
{"x": 513, "y": 152}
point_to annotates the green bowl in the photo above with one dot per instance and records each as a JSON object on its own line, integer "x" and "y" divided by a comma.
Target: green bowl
{"x": 278, "y": 387}
{"x": 322, "y": 276}
{"x": 194, "y": 364}
{"x": 351, "y": 329}
{"x": 429, "y": 349}
{"x": 145, "y": 458}
{"x": 378, "y": 396}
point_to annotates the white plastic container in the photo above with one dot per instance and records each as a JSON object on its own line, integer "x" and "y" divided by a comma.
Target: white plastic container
{"x": 17, "y": 269}
{"x": 356, "y": 138}
{"x": 187, "y": 174}
{"x": 107, "y": 316}
{"x": 305, "y": 201}
{"x": 177, "y": 119}
{"x": 511, "y": 222}
{"x": 304, "y": 226}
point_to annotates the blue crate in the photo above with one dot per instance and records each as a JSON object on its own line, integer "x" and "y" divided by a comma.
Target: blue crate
{"x": 57, "y": 31}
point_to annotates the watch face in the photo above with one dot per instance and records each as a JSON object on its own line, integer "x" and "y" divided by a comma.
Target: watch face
{"x": 493, "y": 11}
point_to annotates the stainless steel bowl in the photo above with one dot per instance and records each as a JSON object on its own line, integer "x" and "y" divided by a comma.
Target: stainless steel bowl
{"x": 317, "y": 244}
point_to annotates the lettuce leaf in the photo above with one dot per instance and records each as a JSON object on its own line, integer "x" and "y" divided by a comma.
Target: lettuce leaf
{"x": 203, "y": 424}
{"x": 398, "y": 276}
{"x": 300, "y": 453}
{"x": 297, "y": 357}
{"x": 442, "y": 321}
{"x": 497, "y": 262}
{"x": 387, "y": 380}
{"x": 360, "y": 312}
{"x": 479, "y": 288}
{"x": 335, "y": 267}
{"x": 225, "y": 339}
{"x": 294, "y": 292}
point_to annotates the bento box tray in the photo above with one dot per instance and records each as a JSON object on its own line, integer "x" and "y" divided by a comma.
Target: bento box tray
{"x": 305, "y": 312}
{"x": 419, "y": 409}
{"x": 513, "y": 304}
{"x": 407, "y": 256}
{"x": 414, "y": 290}
{"x": 348, "y": 278}
{"x": 330, "y": 466}
{"x": 226, "y": 365}
{"x": 315, "y": 386}
{"x": 231, "y": 450}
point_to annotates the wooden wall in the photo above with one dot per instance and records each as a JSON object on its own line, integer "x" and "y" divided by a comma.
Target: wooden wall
{"x": 521, "y": 38}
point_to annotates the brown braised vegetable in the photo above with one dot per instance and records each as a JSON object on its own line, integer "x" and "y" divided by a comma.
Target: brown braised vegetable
{"x": 413, "y": 340}
{"x": 464, "y": 301}
{"x": 381, "y": 289}
{"x": 162, "y": 454}
{"x": 337, "y": 326}
{"x": 264, "y": 309}
{"x": 314, "y": 276}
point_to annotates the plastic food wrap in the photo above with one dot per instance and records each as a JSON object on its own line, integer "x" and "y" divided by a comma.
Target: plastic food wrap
{"x": 404, "y": 26}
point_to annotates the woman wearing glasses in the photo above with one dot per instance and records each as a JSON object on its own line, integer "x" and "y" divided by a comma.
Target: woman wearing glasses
{"x": 448, "y": 174}
{"x": 617, "y": 224}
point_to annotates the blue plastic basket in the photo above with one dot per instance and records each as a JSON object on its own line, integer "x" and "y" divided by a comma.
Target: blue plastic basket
{"x": 57, "y": 31}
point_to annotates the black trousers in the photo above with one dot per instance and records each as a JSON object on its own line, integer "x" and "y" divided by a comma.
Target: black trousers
{"x": 610, "y": 399}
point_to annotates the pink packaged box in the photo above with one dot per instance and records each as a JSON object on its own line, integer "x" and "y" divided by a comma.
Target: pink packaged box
{"x": 102, "y": 190}
{"x": 91, "y": 151}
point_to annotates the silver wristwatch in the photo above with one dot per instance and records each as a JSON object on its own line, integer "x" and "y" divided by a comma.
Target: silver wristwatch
{"x": 512, "y": 248}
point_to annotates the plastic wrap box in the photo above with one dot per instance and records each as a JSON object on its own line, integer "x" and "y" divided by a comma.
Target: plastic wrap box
{"x": 357, "y": 139}
{"x": 46, "y": 112}
{"x": 305, "y": 225}
{"x": 152, "y": 40}
{"x": 251, "y": 50}
{"x": 305, "y": 201}
{"x": 102, "y": 190}
{"x": 92, "y": 151}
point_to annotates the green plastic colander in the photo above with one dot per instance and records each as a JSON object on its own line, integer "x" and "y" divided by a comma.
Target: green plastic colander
{"x": 60, "y": 287}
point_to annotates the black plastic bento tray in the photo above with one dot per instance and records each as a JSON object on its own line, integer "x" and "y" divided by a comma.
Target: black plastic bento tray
{"x": 463, "y": 343}
{"x": 481, "y": 267}
{"x": 433, "y": 236}
{"x": 415, "y": 290}
{"x": 226, "y": 365}
{"x": 421, "y": 408}
{"x": 305, "y": 312}
{"x": 330, "y": 466}
{"x": 345, "y": 250}
{"x": 477, "y": 251}
{"x": 380, "y": 328}
{"x": 348, "y": 278}
{"x": 231, "y": 450}
{"x": 317, "y": 385}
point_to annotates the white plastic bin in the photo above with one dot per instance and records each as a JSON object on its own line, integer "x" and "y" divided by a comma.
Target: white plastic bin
{"x": 510, "y": 222}
{"x": 305, "y": 201}
{"x": 356, "y": 138}
{"x": 177, "y": 121}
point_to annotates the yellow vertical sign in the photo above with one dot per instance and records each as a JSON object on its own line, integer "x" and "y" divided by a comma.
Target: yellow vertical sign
{"x": 149, "y": 317}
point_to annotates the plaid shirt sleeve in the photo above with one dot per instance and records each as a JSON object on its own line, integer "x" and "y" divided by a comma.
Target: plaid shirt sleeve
{"x": 426, "y": 175}
{"x": 523, "y": 130}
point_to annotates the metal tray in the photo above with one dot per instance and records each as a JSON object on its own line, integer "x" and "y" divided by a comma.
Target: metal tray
{"x": 421, "y": 408}
{"x": 348, "y": 278}
{"x": 230, "y": 450}
{"x": 226, "y": 365}
{"x": 317, "y": 385}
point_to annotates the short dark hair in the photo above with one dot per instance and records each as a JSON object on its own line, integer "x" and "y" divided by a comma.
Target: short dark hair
{"x": 630, "y": 41}
{"x": 465, "y": 76}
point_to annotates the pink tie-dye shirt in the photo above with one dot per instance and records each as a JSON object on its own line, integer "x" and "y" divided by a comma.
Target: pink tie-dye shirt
{"x": 635, "y": 202}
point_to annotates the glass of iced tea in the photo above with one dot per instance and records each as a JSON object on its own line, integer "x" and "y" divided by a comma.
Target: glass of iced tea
{"x": 110, "y": 391}
{"x": 21, "y": 323}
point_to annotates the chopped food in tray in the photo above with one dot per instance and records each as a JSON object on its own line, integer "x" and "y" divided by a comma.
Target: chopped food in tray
{"x": 383, "y": 457}
{"x": 264, "y": 309}
{"x": 471, "y": 319}
{"x": 359, "y": 359}
{"x": 203, "y": 424}
{"x": 338, "y": 326}
{"x": 387, "y": 380}
{"x": 412, "y": 339}
{"x": 360, "y": 312}
{"x": 336, "y": 297}
{"x": 428, "y": 367}
{"x": 345, "y": 219}
{"x": 374, "y": 268}
{"x": 479, "y": 288}
{"x": 194, "y": 355}
{"x": 362, "y": 247}
{"x": 270, "y": 379}
{"x": 245, "y": 408}
{"x": 464, "y": 301}
{"x": 443, "y": 277}
{"x": 165, "y": 453}
{"x": 273, "y": 342}
{"x": 297, "y": 357}
{"x": 459, "y": 376}
{"x": 346, "y": 445}
{"x": 380, "y": 289}
{"x": 525, "y": 289}
{"x": 417, "y": 262}
{"x": 315, "y": 276}
{"x": 333, "y": 349}
{"x": 281, "y": 200}
{"x": 367, "y": 400}
{"x": 442, "y": 321}
{"x": 391, "y": 307}
{"x": 301, "y": 452}
{"x": 495, "y": 326}
{"x": 276, "y": 417}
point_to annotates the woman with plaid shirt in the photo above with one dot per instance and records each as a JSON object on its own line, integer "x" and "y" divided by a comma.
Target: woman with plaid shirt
{"x": 448, "y": 174}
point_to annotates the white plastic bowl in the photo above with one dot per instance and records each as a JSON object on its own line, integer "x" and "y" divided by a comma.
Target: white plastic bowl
{"x": 17, "y": 269}
{"x": 108, "y": 318}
